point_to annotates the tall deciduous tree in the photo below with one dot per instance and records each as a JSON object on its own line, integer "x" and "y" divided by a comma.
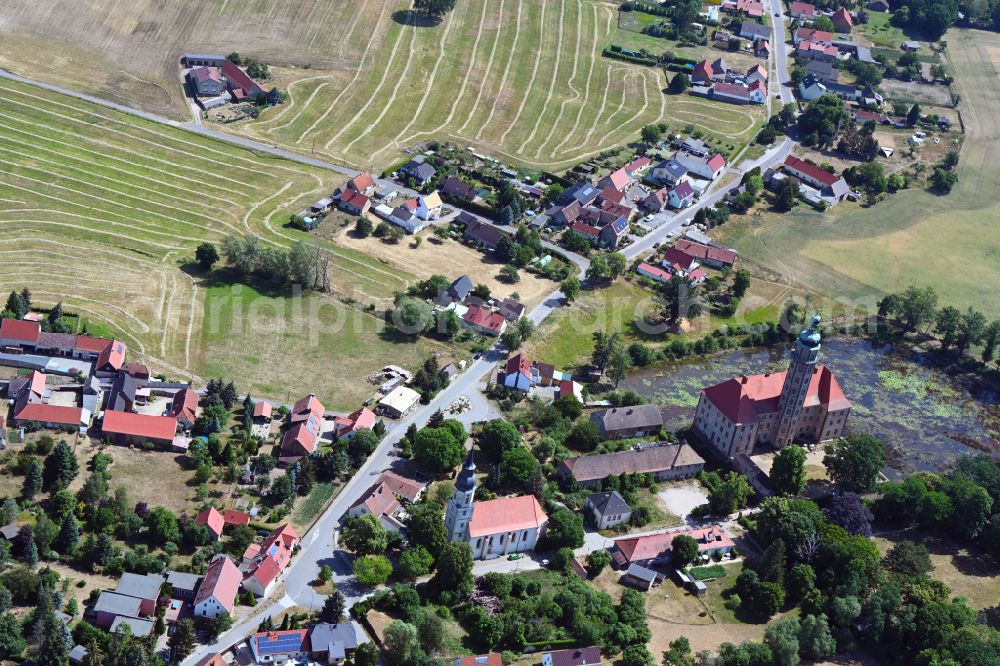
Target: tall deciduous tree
{"x": 855, "y": 462}
{"x": 788, "y": 472}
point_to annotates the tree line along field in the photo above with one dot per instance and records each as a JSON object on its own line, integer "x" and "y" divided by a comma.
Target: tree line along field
{"x": 101, "y": 210}
{"x": 523, "y": 80}
{"x": 949, "y": 242}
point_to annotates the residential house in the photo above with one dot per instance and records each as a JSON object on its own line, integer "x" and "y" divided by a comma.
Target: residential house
{"x": 756, "y": 73}
{"x": 184, "y": 408}
{"x": 617, "y": 180}
{"x": 567, "y": 388}
{"x": 184, "y": 585}
{"x": 862, "y": 117}
{"x": 128, "y": 428}
{"x": 145, "y": 588}
{"x": 709, "y": 255}
{"x": 642, "y": 578}
{"x": 241, "y": 85}
{"x": 126, "y": 392}
{"x": 612, "y": 233}
{"x": 405, "y": 216}
{"x": 588, "y": 656}
{"x": 677, "y": 262}
{"x": 823, "y": 71}
{"x": 491, "y": 659}
{"x": 812, "y": 35}
{"x": 213, "y": 522}
{"x": 217, "y": 592}
{"x": 419, "y": 170}
{"x": 485, "y": 321}
{"x": 484, "y": 235}
{"x": 205, "y": 82}
{"x": 347, "y": 426}
{"x": 429, "y": 206}
{"x": 654, "y": 273}
{"x": 803, "y": 10}
{"x": 910, "y": 46}
{"x": 27, "y": 394}
{"x": 681, "y": 196}
{"x": 702, "y": 73}
{"x": 458, "y": 189}
{"x": 137, "y": 370}
{"x": 754, "y": 31}
{"x": 518, "y": 373}
{"x": 762, "y": 49}
{"x": 335, "y": 642}
{"x": 878, "y": 5}
{"x": 664, "y": 461}
{"x": 582, "y": 192}
{"x": 265, "y": 562}
{"x": 457, "y": 291}
{"x": 621, "y": 422}
{"x": 305, "y": 428}
{"x": 202, "y": 60}
{"x": 111, "y": 605}
{"x": 669, "y": 172}
{"x": 354, "y": 202}
{"x": 363, "y": 183}
{"x": 287, "y": 646}
{"x": 138, "y": 627}
{"x": 731, "y": 93}
{"x": 655, "y": 549}
{"x": 704, "y": 168}
{"x": 829, "y": 184}
{"x": 638, "y": 167}
{"x": 608, "y": 509}
{"x": 751, "y": 8}
{"x": 720, "y": 70}
{"x": 511, "y": 310}
{"x": 398, "y": 402}
{"x": 548, "y": 375}
{"x": 842, "y": 20}
{"x": 655, "y": 201}
{"x": 262, "y": 411}
{"x": 380, "y": 502}
{"x": 807, "y": 50}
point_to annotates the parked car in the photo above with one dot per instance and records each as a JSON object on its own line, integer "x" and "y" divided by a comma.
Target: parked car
{"x": 515, "y": 556}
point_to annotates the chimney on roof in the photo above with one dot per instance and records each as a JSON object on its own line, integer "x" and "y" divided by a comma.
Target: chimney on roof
{"x": 743, "y": 379}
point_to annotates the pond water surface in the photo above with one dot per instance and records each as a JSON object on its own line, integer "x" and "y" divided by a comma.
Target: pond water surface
{"x": 925, "y": 416}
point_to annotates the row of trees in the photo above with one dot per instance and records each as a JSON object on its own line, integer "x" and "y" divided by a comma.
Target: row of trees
{"x": 19, "y": 304}
{"x": 301, "y": 264}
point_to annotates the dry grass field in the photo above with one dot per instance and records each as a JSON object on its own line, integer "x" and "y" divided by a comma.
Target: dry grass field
{"x": 521, "y": 79}
{"x": 951, "y": 242}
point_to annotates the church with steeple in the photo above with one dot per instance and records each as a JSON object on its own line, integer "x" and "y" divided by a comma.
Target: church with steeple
{"x": 803, "y": 404}
{"x": 493, "y": 528}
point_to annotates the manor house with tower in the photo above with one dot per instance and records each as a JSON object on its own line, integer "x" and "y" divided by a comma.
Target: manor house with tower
{"x": 494, "y": 528}
{"x": 804, "y": 403}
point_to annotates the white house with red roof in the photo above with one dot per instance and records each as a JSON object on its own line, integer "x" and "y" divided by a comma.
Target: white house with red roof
{"x": 617, "y": 180}
{"x": 494, "y": 528}
{"x": 306, "y": 426}
{"x": 803, "y": 10}
{"x": 217, "y": 592}
{"x": 812, "y": 35}
{"x": 654, "y": 273}
{"x": 130, "y": 428}
{"x": 265, "y": 563}
{"x": 184, "y": 407}
{"x": 346, "y": 426}
{"x": 212, "y": 520}
{"x": 805, "y": 403}
{"x": 485, "y": 321}
{"x": 638, "y": 166}
{"x": 707, "y": 168}
{"x": 653, "y": 549}
{"x": 830, "y": 185}
{"x": 383, "y": 499}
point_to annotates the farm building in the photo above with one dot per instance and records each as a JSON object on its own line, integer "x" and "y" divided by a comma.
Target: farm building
{"x": 662, "y": 460}
{"x": 129, "y": 428}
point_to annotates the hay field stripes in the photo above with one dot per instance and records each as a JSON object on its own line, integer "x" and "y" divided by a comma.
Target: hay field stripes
{"x": 98, "y": 209}
{"x": 519, "y": 78}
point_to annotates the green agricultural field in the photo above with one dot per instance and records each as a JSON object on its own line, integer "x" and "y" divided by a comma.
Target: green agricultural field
{"x": 951, "y": 242}
{"x": 523, "y": 80}
{"x": 102, "y": 211}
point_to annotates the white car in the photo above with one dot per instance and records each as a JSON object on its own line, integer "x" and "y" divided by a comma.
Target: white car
{"x": 648, "y": 218}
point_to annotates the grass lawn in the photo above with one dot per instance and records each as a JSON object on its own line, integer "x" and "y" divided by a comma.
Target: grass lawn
{"x": 313, "y": 504}
{"x": 915, "y": 236}
{"x": 969, "y": 572}
{"x": 880, "y": 32}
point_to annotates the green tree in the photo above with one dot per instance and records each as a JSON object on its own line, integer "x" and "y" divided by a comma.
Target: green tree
{"x": 412, "y": 316}
{"x": 913, "y": 115}
{"x": 855, "y": 462}
{"x": 414, "y": 562}
{"x": 741, "y": 282}
{"x": 366, "y": 655}
{"x": 104, "y": 550}
{"x": 402, "y": 644}
{"x": 498, "y": 436}
{"x": 584, "y": 436}
{"x": 427, "y": 528}
{"x": 54, "y": 648}
{"x": 971, "y": 329}
{"x": 517, "y": 466}
{"x": 12, "y": 641}
{"x": 60, "y": 468}
{"x": 32, "y": 480}
{"x": 679, "y": 653}
{"x": 783, "y": 639}
{"x": 69, "y": 535}
{"x": 454, "y": 570}
{"x": 365, "y": 535}
{"x": 991, "y": 338}
{"x": 943, "y": 180}
{"x": 565, "y": 529}
{"x": 815, "y": 640}
{"x": 372, "y": 570}
{"x": 908, "y": 558}
{"x": 947, "y": 324}
{"x": 823, "y": 119}
{"x": 619, "y": 363}
{"x": 597, "y": 560}
{"x": 182, "y": 641}
{"x": 363, "y": 228}
{"x": 683, "y": 551}
{"x": 570, "y": 288}
{"x": 788, "y": 471}
{"x": 787, "y": 195}
{"x": 437, "y": 449}
{"x": 206, "y": 255}
{"x": 972, "y": 509}
{"x": 728, "y": 493}
{"x": 162, "y": 525}
{"x": 333, "y": 608}
{"x": 678, "y": 84}
{"x": 617, "y": 264}
{"x": 650, "y": 134}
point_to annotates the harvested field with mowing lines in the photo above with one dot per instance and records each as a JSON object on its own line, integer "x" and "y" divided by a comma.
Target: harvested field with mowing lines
{"x": 101, "y": 210}
{"x": 521, "y": 79}
{"x": 951, "y": 242}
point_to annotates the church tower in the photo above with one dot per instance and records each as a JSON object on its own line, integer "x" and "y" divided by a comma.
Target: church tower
{"x": 459, "y": 513}
{"x": 793, "y": 391}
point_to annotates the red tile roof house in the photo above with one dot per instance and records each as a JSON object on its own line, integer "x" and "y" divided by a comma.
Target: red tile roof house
{"x": 107, "y": 355}
{"x": 217, "y": 592}
{"x": 239, "y": 81}
{"x": 702, "y": 73}
{"x": 184, "y": 407}
{"x": 491, "y": 659}
{"x": 378, "y": 501}
{"x": 272, "y": 557}
{"x": 262, "y": 411}
{"x": 128, "y": 428}
{"x": 363, "y": 183}
{"x": 350, "y": 424}
{"x": 485, "y": 321}
{"x": 235, "y": 518}
{"x": 306, "y": 421}
{"x": 816, "y": 177}
{"x": 811, "y": 35}
{"x": 654, "y": 273}
{"x": 842, "y": 20}
{"x": 678, "y": 262}
{"x": 654, "y": 549}
{"x": 618, "y": 180}
{"x": 213, "y": 520}
{"x": 716, "y": 257}
{"x": 803, "y": 10}
{"x": 354, "y": 202}
{"x": 638, "y": 166}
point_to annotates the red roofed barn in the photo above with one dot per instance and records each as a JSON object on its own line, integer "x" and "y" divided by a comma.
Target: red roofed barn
{"x": 129, "y": 428}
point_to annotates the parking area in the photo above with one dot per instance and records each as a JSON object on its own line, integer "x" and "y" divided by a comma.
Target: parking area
{"x": 682, "y": 497}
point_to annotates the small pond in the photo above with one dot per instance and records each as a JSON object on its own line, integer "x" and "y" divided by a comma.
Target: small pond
{"x": 926, "y": 416}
